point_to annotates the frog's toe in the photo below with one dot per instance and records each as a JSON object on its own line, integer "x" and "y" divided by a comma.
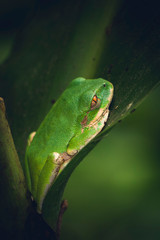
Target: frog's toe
{"x": 30, "y": 138}
{"x": 72, "y": 152}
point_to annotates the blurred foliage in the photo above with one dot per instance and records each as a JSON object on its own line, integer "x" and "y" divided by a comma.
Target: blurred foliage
{"x": 6, "y": 43}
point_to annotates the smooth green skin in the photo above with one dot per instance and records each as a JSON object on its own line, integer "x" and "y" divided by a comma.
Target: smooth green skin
{"x": 67, "y": 128}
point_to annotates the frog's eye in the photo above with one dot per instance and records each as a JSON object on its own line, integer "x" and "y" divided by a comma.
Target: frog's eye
{"x": 95, "y": 102}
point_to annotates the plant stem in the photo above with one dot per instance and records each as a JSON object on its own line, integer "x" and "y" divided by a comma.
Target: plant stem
{"x": 13, "y": 201}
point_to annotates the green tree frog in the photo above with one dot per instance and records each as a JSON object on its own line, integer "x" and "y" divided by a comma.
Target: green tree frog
{"x": 74, "y": 120}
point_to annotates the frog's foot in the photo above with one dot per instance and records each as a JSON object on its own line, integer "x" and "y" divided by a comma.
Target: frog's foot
{"x": 60, "y": 160}
{"x": 30, "y": 138}
{"x": 67, "y": 157}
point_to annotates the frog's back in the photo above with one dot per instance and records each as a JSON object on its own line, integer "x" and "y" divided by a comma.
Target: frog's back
{"x": 53, "y": 134}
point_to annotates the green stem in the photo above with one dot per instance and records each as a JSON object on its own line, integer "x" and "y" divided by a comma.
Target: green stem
{"x": 13, "y": 201}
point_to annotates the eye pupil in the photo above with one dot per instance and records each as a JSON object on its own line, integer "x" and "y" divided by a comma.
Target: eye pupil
{"x": 95, "y": 99}
{"x": 104, "y": 85}
{"x": 94, "y": 102}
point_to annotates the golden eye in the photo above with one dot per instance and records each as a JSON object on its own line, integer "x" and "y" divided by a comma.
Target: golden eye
{"x": 95, "y": 102}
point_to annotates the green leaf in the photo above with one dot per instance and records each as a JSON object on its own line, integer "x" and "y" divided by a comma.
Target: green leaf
{"x": 115, "y": 40}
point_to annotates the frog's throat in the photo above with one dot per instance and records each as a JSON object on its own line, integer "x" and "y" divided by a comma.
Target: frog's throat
{"x": 101, "y": 114}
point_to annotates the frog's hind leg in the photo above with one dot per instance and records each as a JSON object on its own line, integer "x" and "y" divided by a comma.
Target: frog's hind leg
{"x": 52, "y": 168}
{"x": 47, "y": 177}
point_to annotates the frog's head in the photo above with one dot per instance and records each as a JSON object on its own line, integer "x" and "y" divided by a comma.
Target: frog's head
{"x": 95, "y": 97}
{"x": 90, "y": 100}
